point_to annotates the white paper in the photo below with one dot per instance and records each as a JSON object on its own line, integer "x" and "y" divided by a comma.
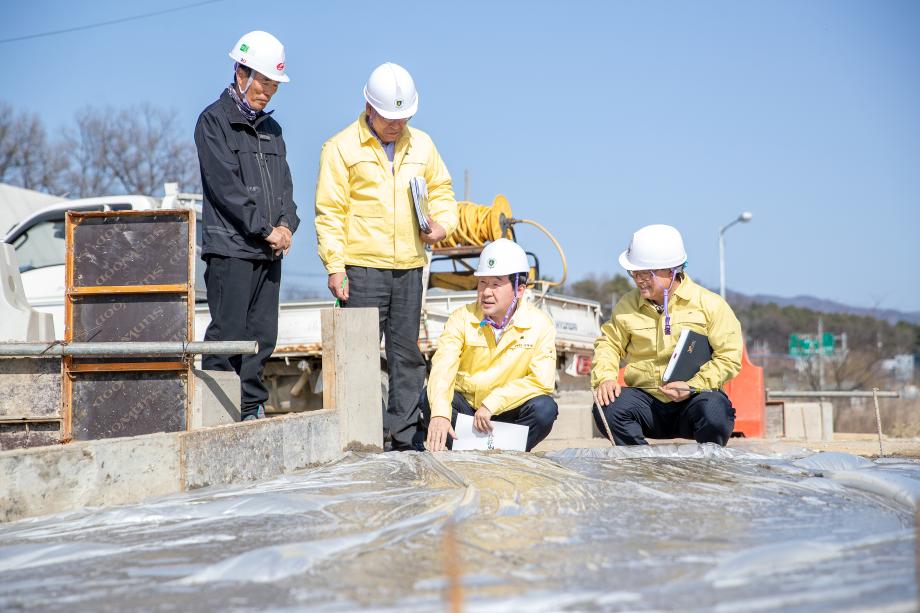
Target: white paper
{"x": 419, "y": 191}
{"x": 503, "y": 436}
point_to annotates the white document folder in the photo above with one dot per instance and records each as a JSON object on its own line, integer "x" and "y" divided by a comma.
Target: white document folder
{"x": 503, "y": 436}
{"x": 419, "y": 190}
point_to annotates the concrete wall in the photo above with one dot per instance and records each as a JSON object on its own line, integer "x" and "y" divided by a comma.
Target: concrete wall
{"x": 810, "y": 421}
{"x": 115, "y": 471}
{"x": 31, "y": 390}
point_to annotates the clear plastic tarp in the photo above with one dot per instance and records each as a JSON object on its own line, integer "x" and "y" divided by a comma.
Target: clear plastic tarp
{"x": 690, "y": 527}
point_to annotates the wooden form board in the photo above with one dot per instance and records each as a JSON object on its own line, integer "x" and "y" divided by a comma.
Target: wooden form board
{"x": 129, "y": 277}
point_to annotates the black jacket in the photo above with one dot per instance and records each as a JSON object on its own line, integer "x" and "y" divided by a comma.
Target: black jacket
{"x": 245, "y": 179}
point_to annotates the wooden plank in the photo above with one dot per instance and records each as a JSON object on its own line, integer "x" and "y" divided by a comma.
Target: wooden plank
{"x": 127, "y": 367}
{"x": 80, "y": 216}
{"x": 129, "y": 289}
{"x": 67, "y": 400}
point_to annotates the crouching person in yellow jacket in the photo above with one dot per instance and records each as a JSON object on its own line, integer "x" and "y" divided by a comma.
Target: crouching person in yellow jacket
{"x": 643, "y": 331}
{"x": 496, "y": 358}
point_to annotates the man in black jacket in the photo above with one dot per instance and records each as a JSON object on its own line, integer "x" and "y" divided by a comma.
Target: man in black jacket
{"x": 249, "y": 213}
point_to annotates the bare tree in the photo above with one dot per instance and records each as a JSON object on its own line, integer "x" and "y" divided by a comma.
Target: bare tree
{"x": 26, "y": 158}
{"x": 135, "y": 150}
{"x": 7, "y": 142}
{"x": 86, "y": 146}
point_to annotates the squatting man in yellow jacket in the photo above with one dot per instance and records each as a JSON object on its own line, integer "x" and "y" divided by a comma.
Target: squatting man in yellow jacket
{"x": 643, "y": 331}
{"x": 368, "y": 233}
{"x": 496, "y": 358}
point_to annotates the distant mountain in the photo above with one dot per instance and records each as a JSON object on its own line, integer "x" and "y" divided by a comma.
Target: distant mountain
{"x": 891, "y": 316}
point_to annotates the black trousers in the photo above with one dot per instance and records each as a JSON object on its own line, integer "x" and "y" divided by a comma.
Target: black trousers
{"x": 397, "y": 294}
{"x": 538, "y": 414}
{"x": 243, "y": 299}
{"x": 707, "y": 417}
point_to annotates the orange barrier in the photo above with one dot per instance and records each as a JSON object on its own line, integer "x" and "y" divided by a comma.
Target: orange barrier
{"x": 748, "y": 396}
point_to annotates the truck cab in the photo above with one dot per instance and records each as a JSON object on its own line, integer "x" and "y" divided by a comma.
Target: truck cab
{"x": 40, "y": 244}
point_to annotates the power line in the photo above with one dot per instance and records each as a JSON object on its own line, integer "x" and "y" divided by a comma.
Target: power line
{"x": 107, "y": 23}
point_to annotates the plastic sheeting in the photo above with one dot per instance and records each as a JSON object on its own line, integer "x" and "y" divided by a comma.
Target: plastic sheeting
{"x": 664, "y": 527}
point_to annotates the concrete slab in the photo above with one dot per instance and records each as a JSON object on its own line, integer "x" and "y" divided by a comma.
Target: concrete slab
{"x": 307, "y": 442}
{"x": 245, "y": 451}
{"x": 809, "y": 421}
{"x": 215, "y": 400}
{"x": 65, "y": 477}
{"x": 351, "y": 375}
{"x": 31, "y": 388}
{"x": 116, "y": 471}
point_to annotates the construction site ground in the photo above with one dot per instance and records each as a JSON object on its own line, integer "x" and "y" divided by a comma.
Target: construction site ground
{"x": 865, "y": 445}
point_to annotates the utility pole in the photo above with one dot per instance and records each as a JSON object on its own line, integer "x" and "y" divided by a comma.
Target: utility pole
{"x": 820, "y": 353}
{"x": 466, "y": 184}
{"x": 742, "y": 218}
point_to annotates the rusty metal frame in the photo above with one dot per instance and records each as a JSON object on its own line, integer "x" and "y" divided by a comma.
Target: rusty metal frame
{"x": 70, "y": 368}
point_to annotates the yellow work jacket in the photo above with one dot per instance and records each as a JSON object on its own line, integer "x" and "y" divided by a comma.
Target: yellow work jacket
{"x": 635, "y": 333}
{"x": 364, "y": 210}
{"x": 500, "y": 376}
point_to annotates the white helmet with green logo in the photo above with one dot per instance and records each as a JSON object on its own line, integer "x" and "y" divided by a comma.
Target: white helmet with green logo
{"x": 263, "y": 53}
{"x": 502, "y": 257}
{"x": 391, "y": 91}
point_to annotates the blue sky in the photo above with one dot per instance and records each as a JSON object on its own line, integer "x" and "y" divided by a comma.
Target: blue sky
{"x": 593, "y": 118}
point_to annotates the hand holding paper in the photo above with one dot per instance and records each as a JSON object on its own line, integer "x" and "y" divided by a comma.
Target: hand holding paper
{"x": 503, "y": 436}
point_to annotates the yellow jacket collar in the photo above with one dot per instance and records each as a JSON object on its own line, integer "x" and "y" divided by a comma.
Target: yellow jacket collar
{"x": 687, "y": 290}
{"x": 364, "y": 131}
{"x": 522, "y": 319}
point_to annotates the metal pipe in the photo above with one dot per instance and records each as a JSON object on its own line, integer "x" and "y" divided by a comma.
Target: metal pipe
{"x": 128, "y": 349}
{"x": 831, "y": 394}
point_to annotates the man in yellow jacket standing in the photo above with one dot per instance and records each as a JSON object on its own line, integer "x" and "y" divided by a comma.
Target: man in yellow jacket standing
{"x": 368, "y": 234}
{"x": 643, "y": 331}
{"x": 496, "y": 358}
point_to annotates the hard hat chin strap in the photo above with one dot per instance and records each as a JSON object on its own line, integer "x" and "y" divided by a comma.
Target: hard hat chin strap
{"x": 240, "y": 96}
{"x": 667, "y": 290}
{"x": 489, "y": 321}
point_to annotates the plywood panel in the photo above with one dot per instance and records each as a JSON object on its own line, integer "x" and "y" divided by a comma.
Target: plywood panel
{"x": 135, "y": 317}
{"x": 107, "y": 405}
{"x": 123, "y": 249}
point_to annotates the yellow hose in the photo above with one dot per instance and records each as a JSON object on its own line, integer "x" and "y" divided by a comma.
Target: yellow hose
{"x": 480, "y": 224}
{"x": 565, "y": 267}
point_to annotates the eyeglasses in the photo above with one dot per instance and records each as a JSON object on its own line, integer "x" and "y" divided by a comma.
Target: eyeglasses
{"x": 645, "y": 275}
{"x": 390, "y": 122}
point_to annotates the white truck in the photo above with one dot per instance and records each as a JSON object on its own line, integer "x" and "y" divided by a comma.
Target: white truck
{"x": 293, "y": 375}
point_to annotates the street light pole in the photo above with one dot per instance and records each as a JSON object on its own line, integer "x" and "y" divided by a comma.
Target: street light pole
{"x": 742, "y": 218}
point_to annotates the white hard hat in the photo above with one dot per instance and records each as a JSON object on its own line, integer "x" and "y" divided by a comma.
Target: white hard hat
{"x": 502, "y": 257}
{"x": 654, "y": 247}
{"x": 391, "y": 91}
{"x": 263, "y": 53}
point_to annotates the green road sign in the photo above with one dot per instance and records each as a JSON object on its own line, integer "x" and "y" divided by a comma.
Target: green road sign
{"x": 807, "y": 345}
